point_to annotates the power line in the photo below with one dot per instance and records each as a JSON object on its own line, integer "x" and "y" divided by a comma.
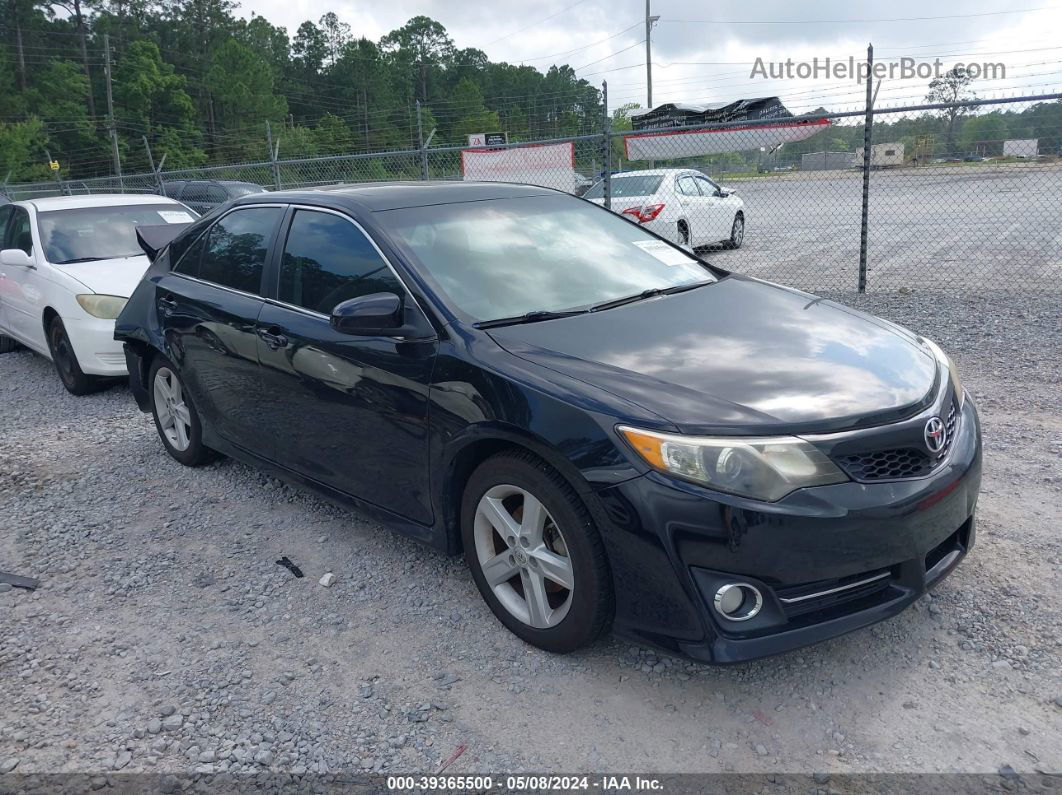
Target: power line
{"x": 842, "y": 21}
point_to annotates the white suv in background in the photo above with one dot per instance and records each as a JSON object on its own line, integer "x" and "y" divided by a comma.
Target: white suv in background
{"x": 67, "y": 266}
{"x": 679, "y": 204}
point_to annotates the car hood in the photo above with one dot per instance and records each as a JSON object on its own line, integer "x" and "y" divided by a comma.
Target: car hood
{"x": 109, "y": 276}
{"x": 740, "y": 356}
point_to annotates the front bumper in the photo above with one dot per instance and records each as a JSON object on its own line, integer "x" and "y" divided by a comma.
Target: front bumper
{"x": 671, "y": 544}
{"x": 94, "y": 345}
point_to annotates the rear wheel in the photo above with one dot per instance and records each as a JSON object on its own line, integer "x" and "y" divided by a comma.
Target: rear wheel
{"x": 65, "y": 360}
{"x": 684, "y": 234}
{"x": 176, "y": 419}
{"x": 535, "y": 553}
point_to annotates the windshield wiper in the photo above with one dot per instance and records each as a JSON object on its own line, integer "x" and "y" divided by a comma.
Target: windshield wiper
{"x": 529, "y": 317}
{"x": 652, "y": 292}
{"x": 79, "y": 259}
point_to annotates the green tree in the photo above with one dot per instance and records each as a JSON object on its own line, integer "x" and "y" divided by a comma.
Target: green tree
{"x": 419, "y": 47}
{"x": 953, "y": 87}
{"x": 152, "y": 100}
{"x": 240, "y": 83}
{"x": 22, "y": 147}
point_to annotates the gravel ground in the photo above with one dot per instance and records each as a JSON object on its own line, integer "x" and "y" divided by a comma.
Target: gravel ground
{"x": 164, "y": 637}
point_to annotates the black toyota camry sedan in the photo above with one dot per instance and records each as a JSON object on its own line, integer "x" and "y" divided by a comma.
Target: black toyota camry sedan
{"x": 613, "y": 432}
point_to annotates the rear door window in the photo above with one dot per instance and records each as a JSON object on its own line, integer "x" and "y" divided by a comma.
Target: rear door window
{"x": 235, "y": 249}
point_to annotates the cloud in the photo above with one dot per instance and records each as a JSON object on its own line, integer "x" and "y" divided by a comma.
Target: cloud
{"x": 697, "y": 58}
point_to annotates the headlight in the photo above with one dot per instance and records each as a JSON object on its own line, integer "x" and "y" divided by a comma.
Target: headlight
{"x": 953, "y": 371}
{"x": 106, "y": 307}
{"x": 764, "y": 468}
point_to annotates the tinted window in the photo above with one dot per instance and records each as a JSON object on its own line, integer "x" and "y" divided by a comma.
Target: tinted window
{"x": 18, "y": 232}
{"x": 236, "y": 248}
{"x": 500, "y": 258}
{"x": 196, "y": 192}
{"x": 327, "y": 260}
{"x": 624, "y": 185}
{"x": 216, "y": 194}
{"x": 172, "y": 189}
{"x": 5, "y": 216}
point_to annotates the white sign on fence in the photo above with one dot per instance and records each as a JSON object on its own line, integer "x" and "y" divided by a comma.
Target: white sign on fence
{"x": 548, "y": 165}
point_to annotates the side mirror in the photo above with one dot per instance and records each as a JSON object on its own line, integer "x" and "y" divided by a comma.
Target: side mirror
{"x": 16, "y": 258}
{"x": 368, "y": 315}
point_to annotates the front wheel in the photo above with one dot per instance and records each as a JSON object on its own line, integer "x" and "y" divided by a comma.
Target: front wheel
{"x": 176, "y": 419}
{"x": 65, "y": 360}
{"x": 535, "y": 553}
{"x": 737, "y": 232}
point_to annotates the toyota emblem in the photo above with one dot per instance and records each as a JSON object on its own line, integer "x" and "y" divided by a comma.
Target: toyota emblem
{"x": 936, "y": 434}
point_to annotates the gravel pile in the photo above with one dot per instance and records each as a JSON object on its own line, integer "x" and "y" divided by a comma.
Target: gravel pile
{"x": 166, "y": 639}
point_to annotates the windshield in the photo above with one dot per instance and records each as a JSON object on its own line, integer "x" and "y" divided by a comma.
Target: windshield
{"x": 90, "y": 233}
{"x": 505, "y": 258}
{"x": 624, "y": 185}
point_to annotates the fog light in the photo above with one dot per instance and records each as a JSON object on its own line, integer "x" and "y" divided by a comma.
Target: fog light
{"x": 738, "y": 601}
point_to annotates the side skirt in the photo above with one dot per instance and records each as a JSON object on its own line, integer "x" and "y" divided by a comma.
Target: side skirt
{"x": 430, "y": 535}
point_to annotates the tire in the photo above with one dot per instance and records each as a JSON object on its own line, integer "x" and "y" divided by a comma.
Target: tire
{"x": 176, "y": 419}
{"x": 684, "y": 234}
{"x": 737, "y": 232}
{"x": 563, "y": 547}
{"x": 66, "y": 364}
{"x": 7, "y": 344}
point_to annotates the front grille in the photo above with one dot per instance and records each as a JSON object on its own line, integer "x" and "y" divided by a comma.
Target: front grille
{"x": 905, "y": 462}
{"x": 900, "y": 462}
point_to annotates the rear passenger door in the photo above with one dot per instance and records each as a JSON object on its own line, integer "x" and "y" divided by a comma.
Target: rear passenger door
{"x": 208, "y": 307}
{"x": 347, "y": 411}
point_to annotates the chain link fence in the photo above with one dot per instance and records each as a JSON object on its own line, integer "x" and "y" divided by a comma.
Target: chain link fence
{"x": 973, "y": 205}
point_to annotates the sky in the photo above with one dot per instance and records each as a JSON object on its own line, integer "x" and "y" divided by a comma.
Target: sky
{"x": 705, "y": 52}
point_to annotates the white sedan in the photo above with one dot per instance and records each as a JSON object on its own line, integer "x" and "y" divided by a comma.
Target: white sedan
{"x": 679, "y": 204}
{"x": 67, "y": 266}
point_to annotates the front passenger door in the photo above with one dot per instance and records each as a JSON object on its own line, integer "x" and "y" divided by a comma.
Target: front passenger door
{"x": 350, "y": 412}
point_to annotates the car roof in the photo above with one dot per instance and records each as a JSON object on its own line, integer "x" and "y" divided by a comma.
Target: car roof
{"x": 96, "y": 200}
{"x": 376, "y": 196}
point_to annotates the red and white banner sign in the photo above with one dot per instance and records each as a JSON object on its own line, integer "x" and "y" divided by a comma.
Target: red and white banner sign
{"x": 667, "y": 145}
{"x": 548, "y": 165}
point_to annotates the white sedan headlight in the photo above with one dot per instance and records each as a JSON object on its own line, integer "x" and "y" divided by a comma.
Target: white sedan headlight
{"x": 105, "y": 307}
{"x": 764, "y": 468}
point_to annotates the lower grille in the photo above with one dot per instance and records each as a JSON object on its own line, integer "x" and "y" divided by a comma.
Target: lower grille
{"x": 807, "y": 598}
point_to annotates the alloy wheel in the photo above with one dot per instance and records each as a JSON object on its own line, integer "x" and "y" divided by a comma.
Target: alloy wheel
{"x": 175, "y": 420}
{"x": 737, "y": 235}
{"x": 523, "y": 556}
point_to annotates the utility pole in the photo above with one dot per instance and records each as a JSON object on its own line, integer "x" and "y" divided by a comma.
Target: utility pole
{"x": 110, "y": 111}
{"x": 649, "y": 20}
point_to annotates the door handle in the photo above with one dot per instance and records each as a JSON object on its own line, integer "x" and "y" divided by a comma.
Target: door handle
{"x": 272, "y": 337}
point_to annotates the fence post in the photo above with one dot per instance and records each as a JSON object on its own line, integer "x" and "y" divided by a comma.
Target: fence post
{"x": 868, "y": 126}
{"x": 273, "y": 152}
{"x": 606, "y": 127}
{"x": 421, "y": 147}
{"x": 151, "y": 163}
